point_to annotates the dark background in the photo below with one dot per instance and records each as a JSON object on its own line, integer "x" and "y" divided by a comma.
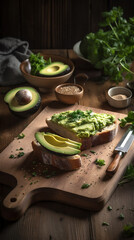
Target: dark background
{"x": 55, "y": 24}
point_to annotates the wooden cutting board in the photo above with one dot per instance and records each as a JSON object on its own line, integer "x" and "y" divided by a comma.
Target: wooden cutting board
{"x": 32, "y": 181}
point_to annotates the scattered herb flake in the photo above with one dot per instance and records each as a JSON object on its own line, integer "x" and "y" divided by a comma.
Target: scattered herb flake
{"x": 121, "y": 216}
{"x": 100, "y": 162}
{"x": 11, "y": 156}
{"x": 109, "y": 208}
{"x": 34, "y": 174}
{"x": 84, "y": 154}
{"x": 85, "y": 185}
{"x": 92, "y": 151}
{"x": 20, "y": 154}
{"x": 105, "y": 224}
{"x": 20, "y": 136}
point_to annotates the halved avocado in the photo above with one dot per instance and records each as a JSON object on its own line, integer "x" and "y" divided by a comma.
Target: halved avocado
{"x": 55, "y": 69}
{"x": 62, "y": 147}
{"x": 23, "y": 110}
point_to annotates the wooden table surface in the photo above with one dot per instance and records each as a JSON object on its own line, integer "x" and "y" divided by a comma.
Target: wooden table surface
{"x": 55, "y": 221}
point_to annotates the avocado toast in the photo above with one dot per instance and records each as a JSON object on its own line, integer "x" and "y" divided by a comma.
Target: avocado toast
{"x": 86, "y": 127}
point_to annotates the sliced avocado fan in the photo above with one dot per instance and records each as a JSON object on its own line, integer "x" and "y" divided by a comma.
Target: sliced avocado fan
{"x": 55, "y": 145}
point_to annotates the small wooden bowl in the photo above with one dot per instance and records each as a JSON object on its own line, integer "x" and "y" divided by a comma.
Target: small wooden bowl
{"x": 69, "y": 93}
{"x": 47, "y": 83}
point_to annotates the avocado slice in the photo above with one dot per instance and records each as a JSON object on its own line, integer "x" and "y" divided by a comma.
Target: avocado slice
{"x": 23, "y": 110}
{"x": 71, "y": 142}
{"x": 62, "y": 147}
{"x": 55, "y": 69}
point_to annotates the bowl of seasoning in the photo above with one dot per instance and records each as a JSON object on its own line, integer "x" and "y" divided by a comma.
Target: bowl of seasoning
{"x": 69, "y": 93}
{"x": 119, "y": 97}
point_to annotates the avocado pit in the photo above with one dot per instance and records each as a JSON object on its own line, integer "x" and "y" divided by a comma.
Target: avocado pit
{"x": 23, "y": 96}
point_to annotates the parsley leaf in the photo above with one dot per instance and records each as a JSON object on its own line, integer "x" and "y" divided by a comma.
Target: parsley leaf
{"x": 100, "y": 162}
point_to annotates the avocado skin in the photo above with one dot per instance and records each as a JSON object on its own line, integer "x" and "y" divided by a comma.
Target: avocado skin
{"x": 28, "y": 112}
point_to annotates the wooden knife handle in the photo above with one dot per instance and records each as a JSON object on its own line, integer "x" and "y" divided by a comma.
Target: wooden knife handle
{"x": 112, "y": 168}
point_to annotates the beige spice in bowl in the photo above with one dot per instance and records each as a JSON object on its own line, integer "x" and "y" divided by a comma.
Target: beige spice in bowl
{"x": 69, "y": 93}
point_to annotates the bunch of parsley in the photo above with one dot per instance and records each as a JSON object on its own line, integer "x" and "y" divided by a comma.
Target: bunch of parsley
{"x": 111, "y": 49}
{"x": 37, "y": 63}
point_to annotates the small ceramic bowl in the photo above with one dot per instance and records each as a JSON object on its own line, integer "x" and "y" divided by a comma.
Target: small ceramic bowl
{"x": 47, "y": 83}
{"x": 119, "y": 97}
{"x": 69, "y": 93}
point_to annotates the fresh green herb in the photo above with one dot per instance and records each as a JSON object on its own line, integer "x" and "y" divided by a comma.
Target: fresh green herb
{"x": 109, "y": 208}
{"x": 11, "y": 156}
{"x": 111, "y": 49}
{"x": 85, "y": 185}
{"x": 37, "y": 63}
{"x": 128, "y": 230}
{"x": 20, "y": 154}
{"x": 121, "y": 216}
{"x": 20, "y": 136}
{"x": 84, "y": 154}
{"x": 92, "y": 151}
{"x": 129, "y": 119}
{"x": 128, "y": 176}
{"x": 105, "y": 224}
{"x": 100, "y": 162}
{"x": 34, "y": 174}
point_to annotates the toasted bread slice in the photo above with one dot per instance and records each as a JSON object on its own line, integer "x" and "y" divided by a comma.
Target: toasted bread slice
{"x": 104, "y": 136}
{"x": 63, "y": 162}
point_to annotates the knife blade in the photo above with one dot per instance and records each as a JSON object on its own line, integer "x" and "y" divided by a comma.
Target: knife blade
{"x": 122, "y": 147}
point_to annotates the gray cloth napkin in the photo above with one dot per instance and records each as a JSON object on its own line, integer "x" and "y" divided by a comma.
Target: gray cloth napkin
{"x": 12, "y": 52}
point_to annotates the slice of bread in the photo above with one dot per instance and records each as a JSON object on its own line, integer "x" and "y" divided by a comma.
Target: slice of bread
{"x": 105, "y": 135}
{"x": 63, "y": 162}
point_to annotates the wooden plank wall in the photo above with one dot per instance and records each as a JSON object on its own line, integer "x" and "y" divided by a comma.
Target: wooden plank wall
{"x": 55, "y": 24}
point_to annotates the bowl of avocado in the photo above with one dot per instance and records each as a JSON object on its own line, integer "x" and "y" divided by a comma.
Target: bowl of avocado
{"x": 46, "y": 71}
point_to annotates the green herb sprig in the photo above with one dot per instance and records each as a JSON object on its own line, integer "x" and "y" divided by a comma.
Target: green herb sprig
{"x": 129, "y": 119}
{"x": 37, "y": 63}
{"x": 100, "y": 162}
{"x": 128, "y": 176}
{"x": 111, "y": 49}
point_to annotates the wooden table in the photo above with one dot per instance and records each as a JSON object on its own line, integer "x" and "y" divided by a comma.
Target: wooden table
{"x": 51, "y": 220}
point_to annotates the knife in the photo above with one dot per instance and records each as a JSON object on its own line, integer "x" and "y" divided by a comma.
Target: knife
{"x": 120, "y": 150}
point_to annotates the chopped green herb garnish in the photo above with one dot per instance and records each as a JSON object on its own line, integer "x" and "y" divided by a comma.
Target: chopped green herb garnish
{"x": 92, "y": 151}
{"x": 20, "y": 154}
{"x": 34, "y": 174}
{"x": 128, "y": 230}
{"x": 11, "y": 156}
{"x": 121, "y": 216}
{"x": 105, "y": 224}
{"x": 100, "y": 162}
{"x": 84, "y": 154}
{"x": 109, "y": 208}
{"x": 20, "y": 136}
{"x": 85, "y": 185}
